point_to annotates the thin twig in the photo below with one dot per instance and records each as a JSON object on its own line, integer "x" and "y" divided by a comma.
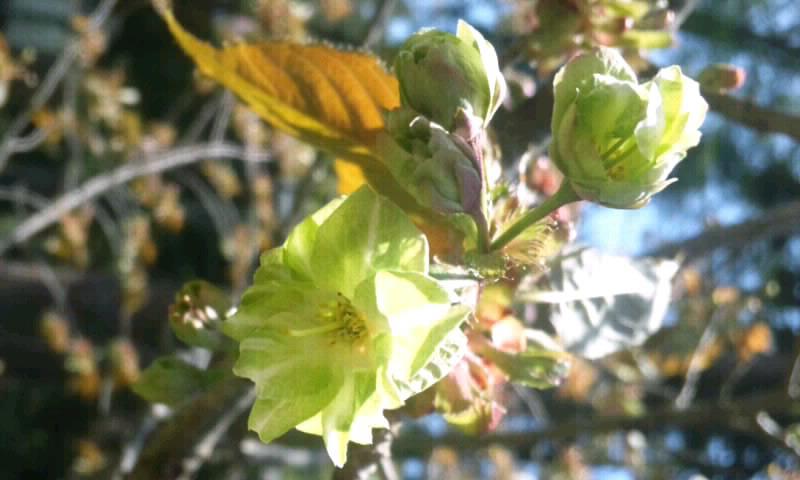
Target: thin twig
{"x": 686, "y": 395}
{"x": 689, "y": 6}
{"x": 377, "y": 24}
{"x": 101, "y": 184}
{"x": 22, "y": 196}
{"x": 75, "y": 163}
{"x": 706, "y": 414}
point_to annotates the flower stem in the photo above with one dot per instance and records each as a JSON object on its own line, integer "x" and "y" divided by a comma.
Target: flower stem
{"x": 563, "y": 196}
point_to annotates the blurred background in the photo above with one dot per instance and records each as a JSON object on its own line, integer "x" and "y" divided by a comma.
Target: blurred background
{"x": 124, "y": 174}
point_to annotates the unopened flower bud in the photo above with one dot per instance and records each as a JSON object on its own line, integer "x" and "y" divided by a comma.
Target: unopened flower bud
{"x": 617, "y": 141}
{"x": 440, "y": 73}
{"x": 440, "y": 169}
{"x": 722, "y": 78}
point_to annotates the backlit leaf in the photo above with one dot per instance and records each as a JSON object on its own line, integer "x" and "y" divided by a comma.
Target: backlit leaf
{"x": 331, "y": 98}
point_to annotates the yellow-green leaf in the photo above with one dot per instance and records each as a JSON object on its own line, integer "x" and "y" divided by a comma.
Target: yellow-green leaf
{"x": 331, "y": 98}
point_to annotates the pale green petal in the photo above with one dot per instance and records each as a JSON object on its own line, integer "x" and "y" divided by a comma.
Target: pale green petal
{"x": 579, "y": 75}
{"x": 286, "y": 366}
{"x": 268, "y": 299}
{"x": 684, "y": 107}
{"x": 339, "y": 415}
{"x": 312, "y": 425}
{"x": 420, "y": 317}
{"x": 369, "y": 416}
{"x": 497, "y": 84}
{"x": 272, "y": 417}
{"x": 365, "y": 234}
{"x": 611, "y": 110}
{"x": 300, "y": 243}
{"x": 291, "y": 387}
{"x": 651, "y": 127}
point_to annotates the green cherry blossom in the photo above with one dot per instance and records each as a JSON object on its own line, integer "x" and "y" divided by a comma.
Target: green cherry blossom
{"x": 343, "y": 322}
{"x": 617, "y": 141}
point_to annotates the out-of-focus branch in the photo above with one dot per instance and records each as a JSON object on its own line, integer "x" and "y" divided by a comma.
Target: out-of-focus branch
{"x": 103, "y": 183}
{"x": 739, "y": 415}
{"x": 683, "y": 13}
{"x": 709, "y": 24}
{"x": 205, "y": 447}
{"x": 377, "y": 24}
{"x": 177, "y": 439}
{"x": 754, "y": 116}
{"x": 9, "y": 142}
{"x": 778, "y": 221}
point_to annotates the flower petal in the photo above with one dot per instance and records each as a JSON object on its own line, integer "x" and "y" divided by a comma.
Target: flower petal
{"x": 365, "y": 234}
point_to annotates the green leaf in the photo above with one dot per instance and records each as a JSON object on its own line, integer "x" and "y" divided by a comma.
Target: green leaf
{"x": 543, "y": 364}
{"x": 365, "y": 234}
{"x": 172, "y": 381}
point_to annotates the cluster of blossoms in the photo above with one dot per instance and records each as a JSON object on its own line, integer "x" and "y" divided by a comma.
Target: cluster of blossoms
{"x": 344, "y": 321}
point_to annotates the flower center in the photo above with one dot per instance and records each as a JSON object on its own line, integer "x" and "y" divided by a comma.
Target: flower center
{"x": 338, "y": 318}
{"x": 614, "y": 158}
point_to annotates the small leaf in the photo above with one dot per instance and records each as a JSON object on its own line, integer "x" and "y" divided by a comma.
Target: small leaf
{"x": 543, "y": 364}
{"x": 604, "y": 303}
{"x": 171, "y": 381}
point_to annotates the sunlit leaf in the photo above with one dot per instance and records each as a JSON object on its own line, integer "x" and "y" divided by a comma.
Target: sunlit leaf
{"x": 331, "y": 98}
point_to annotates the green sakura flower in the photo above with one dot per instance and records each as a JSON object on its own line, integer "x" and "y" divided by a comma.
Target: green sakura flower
{"x": 342, "y": 322}
{"x": 617, "y": 141}
{"x": 441, "y": 73}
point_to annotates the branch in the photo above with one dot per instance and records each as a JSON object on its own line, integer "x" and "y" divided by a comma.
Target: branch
{"x": 754, "y": 116}
{"x": 377, "y": 24}
{"x": 205, "y": 447}
{"x": 778, "y": 221}
{"x": 683, "y": 14}
{"x": 103, "y": 183}
{"x": 739, "y": 415}
{"x": 204, "y": 419}
{"x": 9, "y": 143}
{"x": 709, "y": 24}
